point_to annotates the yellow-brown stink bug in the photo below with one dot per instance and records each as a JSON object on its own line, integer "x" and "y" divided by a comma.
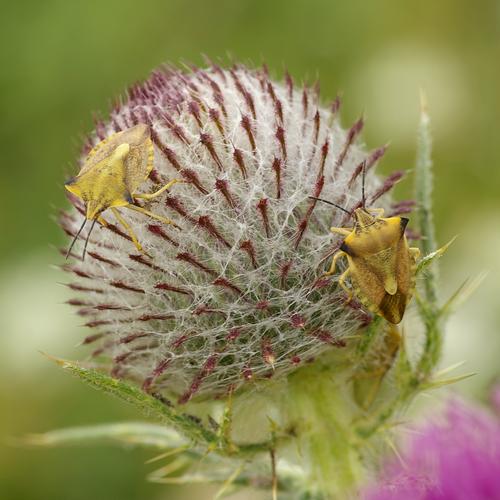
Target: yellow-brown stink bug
{"x": 381, "y": 265}
{"x": 112, "y": 172}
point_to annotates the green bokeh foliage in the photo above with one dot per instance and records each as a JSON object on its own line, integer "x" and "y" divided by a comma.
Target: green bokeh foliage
{"x": 63, "y": 60}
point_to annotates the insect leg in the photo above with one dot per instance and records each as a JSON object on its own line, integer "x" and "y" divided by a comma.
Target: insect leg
{"x": 334, "y": 263}
{"x": 150, "y": 196}
{"x": 120, "y": 219}
{"x": 415, "y": 253}
{"x": 341, "y": 282}
{"x": 152, "y": 215}
{"x": 102, "y": 221}
{"x": 344, "y": 231}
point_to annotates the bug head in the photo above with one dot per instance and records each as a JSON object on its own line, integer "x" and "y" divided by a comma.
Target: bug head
{"x": 363, "y": 217}
{"x": 93, "y": 209}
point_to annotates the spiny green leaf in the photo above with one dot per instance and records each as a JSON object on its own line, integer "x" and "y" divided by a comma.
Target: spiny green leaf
{"x": 129, "y": 433}
{"x": 171, "y": 452}
{"x": 464, "y": 291}
{"x": 435, "y": 384}
{"x": 162, "y": 475}
{"x": 146, "y": 403}
{"x": 229, "y": 482}
{"x": 186, "y": 425}
{"x": 428, "y": 259}
{"x": 448, "y": 369}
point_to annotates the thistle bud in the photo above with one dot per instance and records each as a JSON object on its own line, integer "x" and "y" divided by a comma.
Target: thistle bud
{"x": 238, "y": 288}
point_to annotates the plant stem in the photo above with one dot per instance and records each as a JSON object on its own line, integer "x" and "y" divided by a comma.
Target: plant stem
{"x": 322, "y": 413}
{"x": 429, "y": 309}
{"x": 423, "y": 193}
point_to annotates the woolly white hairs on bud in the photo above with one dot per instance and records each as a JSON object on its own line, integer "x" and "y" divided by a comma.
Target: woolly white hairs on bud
{"x": 237, "y": 293}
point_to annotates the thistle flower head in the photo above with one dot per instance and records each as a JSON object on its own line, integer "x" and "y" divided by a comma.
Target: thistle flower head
{"x": 236, "y": 294}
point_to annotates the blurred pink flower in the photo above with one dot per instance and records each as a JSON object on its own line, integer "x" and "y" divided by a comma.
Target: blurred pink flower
{"x": 455, "y": 456}
{"x": 495, "y": 397}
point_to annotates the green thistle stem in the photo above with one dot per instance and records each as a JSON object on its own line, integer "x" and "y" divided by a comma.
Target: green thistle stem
{"x": 323, "y": 413}
{"x": 429, "y": 310}
{"x": 423, "y": 193}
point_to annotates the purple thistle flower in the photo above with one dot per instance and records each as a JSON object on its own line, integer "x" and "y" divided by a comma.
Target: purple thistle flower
{"x": 456, "y": 456}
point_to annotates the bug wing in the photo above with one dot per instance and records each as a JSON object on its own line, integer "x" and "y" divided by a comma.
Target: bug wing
{"x": 371, "y": 287}
{"x": 139, "y": 161}
{"x": 100, "y": 152}
{"x": 367, "y": 285}
{"x": 405, "y": 270}
{"x": 393, "y": 307}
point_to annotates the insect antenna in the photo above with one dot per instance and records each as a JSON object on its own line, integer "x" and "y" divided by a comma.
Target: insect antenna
{"x": 87, "y": 239}
{"x": 75, "y": 238}
{"x": 363, "y": 178}
{"x": 330, "y": 203}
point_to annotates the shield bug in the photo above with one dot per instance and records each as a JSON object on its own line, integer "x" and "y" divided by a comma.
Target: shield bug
{"x": 380, "y": 264}
{"x": 110, "y": 176}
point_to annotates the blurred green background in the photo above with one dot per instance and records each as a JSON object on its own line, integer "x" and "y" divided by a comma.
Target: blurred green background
{"x": 62, "y": 60}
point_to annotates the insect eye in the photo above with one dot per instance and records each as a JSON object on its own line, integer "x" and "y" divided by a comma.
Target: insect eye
{"x": 346, "y": 248}
{"x": 404, "y": 222}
